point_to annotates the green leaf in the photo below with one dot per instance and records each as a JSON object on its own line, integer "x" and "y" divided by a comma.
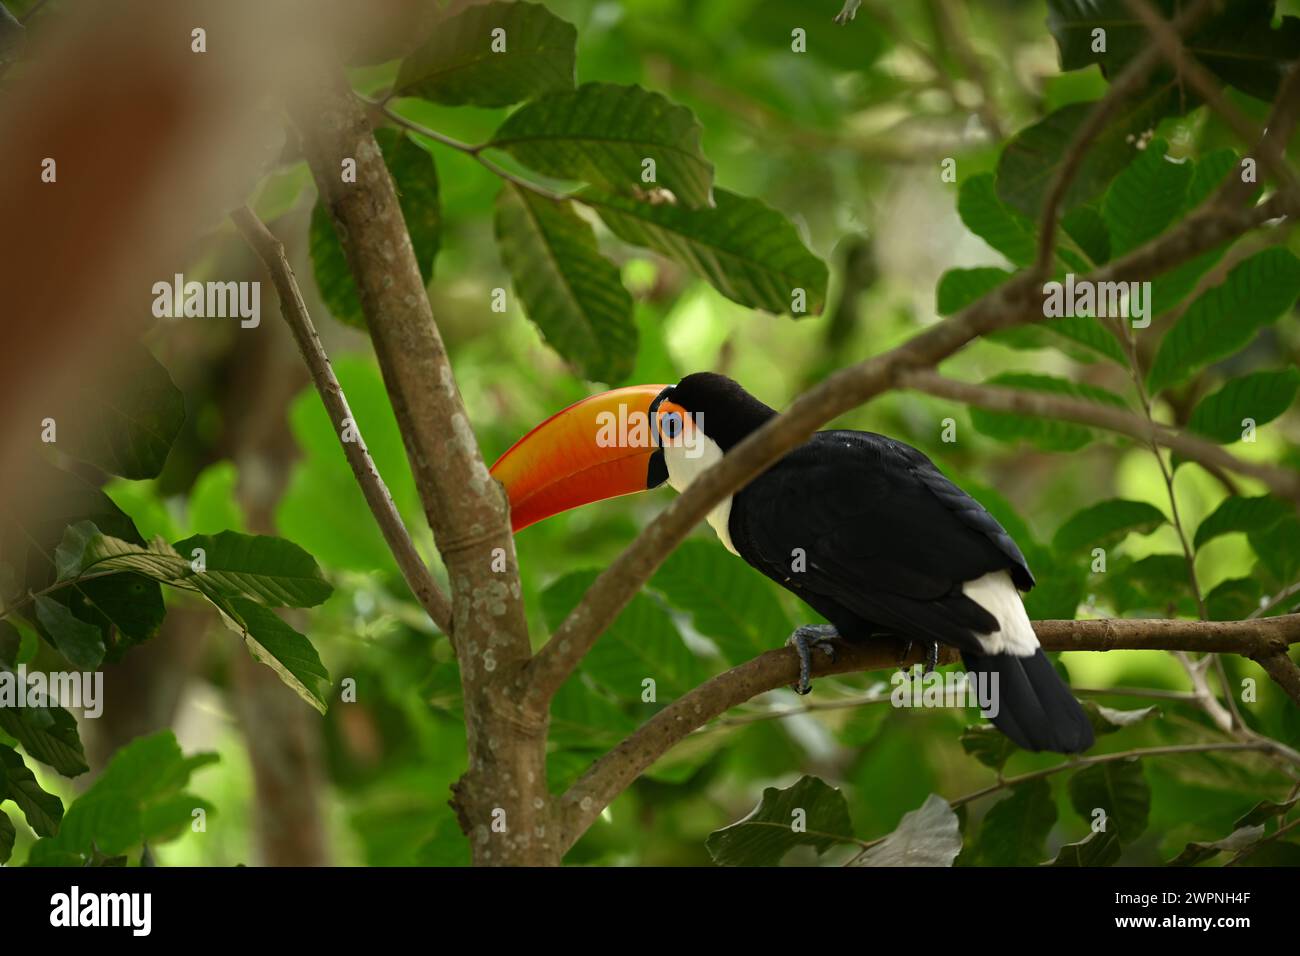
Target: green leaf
{"x": 988, "y": 745}
{"x": 1015, "y": 827}
{"x": 1096, "y": 849}
{"x": 1259, "y": 397}
{"x": 1234, "y": 599}
{"x": 42, "y": 810}
{"x": 810, "y": 813}
{"x": 570, "y": 291}
{"x": 287, "y": 652}
{"x": 213, "y": 505}
{"x": 1107, "y": 720}
{"x": 728, "y": 603}
{"x": 457, "y": 65}
{"x": 958, "y": 288}
{"x": 1157, "y": 583}
{"x": 1119, "y": 788}
{"x": 927, "y": 836}
{"x": 1047, "y": 434}
{"x": 1236, "y": 42}
{"x": 271, "y": 571}
{"x": 48, "y": 734}
{"x": 1145, "y": 198}
{"x": 746, "y": 250}
{"x": 1236, "y": 841}
{"x": 1030, "y": 161}
{"x": 642, "y": 643}
{"x": 126, "y": 425}
{"x": 1088, "y": 229}
{"x": 1106, "y": 524}
{"x": 1264, "y": 811}
{"x": 602, "y": 133}
{"x": 81, "y": 643}
{"x": 1004, "y": 229}
{"x": 416, "y": 180}
{"x": 134, "y": 801}
{"x": 1075, "y": 329}
{"x": 1240, "y": 514}
{"x": 11, "y": 642}
{"x": 7, "y": 837}
{"x": 1257, "y": 292}
{"x": 1276, "y": 548}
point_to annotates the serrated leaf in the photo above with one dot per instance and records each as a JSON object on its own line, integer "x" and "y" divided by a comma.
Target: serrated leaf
{"x": 1031, "y": 159}
{"x": 809, "y": 813}
{"x": 48, "y": 734}
{"x": 269, "y": 570}
{"x": 1236, "y": 42}
{"x": 1145, "y": 198}
{"x": 416, "y": 180}
{"x": 745, "y": 249}
{"x": 602, "y": 133}
{"x": 1106, "y": 523}
{"x": 1096, "y": 849}
{"x": 927, "y": 836}
{"x": 81, "y": 643}
{"x": 1120, "y": 789}
{"x": 1048, "y": 434}
{"x": 728, "y": 603}
{"x": 1240, "y": 514}
{"x": 1264, "y": 811}
{"x": 1259, "y": 397}
{"x": 290, "y": 654}
{"x": 642, "y": 643}
{"x": 958, "y": 288}
{"x": 988, "y": 745}
{"x": 1004, "y": 229}
{"x": 1234, "y": 599}
{"x": 1015, "y": 827}
{"x": 1108, "y": 720}
{"x": 572, "y": 293}
{"x": 1257, "y": 292}
{"x": 458, "y": 66}
{"x": 1239, "y": 839}
{"x": 17, "y": 783}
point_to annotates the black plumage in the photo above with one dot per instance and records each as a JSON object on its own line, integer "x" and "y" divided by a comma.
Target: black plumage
{"x": 868, "y": 532}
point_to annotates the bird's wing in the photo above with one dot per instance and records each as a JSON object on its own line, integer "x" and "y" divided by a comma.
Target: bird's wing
{"x": 881, "y": 531}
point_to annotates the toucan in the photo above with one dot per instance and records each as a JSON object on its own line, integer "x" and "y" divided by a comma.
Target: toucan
{"x": 864, "y": 529}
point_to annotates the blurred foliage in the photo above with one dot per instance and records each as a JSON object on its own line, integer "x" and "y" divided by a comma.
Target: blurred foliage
{"x": 906, "y": 150}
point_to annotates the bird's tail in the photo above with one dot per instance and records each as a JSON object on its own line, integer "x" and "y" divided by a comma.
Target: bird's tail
{"x": 1034, "y": 706}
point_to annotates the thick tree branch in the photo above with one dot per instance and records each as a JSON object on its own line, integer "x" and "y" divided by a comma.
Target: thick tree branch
{"x": 1018, "y": 302}
{"x": 466, "y": 509}
{"x": 1283, "y": 482}
{"x": 613, "y": 772}
{"x": 1279, "y": 666}
{"x": 271, "y": 251}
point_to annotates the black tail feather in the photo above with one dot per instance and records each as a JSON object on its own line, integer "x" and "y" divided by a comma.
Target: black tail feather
{"x": 1035, "y": 707}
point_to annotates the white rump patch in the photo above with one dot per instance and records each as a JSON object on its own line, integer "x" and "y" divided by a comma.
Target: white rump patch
{"x": 997, "y": 594}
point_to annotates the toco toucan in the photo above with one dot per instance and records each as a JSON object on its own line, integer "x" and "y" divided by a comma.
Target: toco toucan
{"x": 863, "y": 528}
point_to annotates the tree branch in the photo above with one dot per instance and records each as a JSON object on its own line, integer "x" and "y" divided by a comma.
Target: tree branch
{"x": 1124, "y": 85}
{"x": 271, "y": 251}
{"x": 613, "y": 772}
{"x": 1018, "y": 302}
{"x": 1280, "y": 481}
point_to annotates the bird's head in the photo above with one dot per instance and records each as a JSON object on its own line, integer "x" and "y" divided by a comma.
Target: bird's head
{"x": 624, "y": 441}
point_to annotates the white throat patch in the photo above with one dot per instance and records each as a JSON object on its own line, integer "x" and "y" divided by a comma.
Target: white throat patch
{"x": 685, "y": 465}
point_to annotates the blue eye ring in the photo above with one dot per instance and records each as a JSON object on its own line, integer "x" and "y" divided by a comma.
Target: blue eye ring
{"x": 671, "y": 424}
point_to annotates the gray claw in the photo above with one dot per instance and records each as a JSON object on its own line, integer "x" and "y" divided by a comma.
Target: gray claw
{"x": 819, "y": 636}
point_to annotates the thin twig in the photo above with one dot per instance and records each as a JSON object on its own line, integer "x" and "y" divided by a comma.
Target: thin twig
{"x": 271, "y": 251}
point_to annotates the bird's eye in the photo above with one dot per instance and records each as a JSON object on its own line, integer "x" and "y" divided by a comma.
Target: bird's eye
{"x": 671, "y": 424}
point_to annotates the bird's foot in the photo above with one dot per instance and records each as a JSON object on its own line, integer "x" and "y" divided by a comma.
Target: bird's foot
{"x": 931, "y": 654}
{"x": 804, "y": 638}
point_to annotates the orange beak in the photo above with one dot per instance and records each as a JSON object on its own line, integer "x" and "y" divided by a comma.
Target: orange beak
{"x": 599, "y": 448}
